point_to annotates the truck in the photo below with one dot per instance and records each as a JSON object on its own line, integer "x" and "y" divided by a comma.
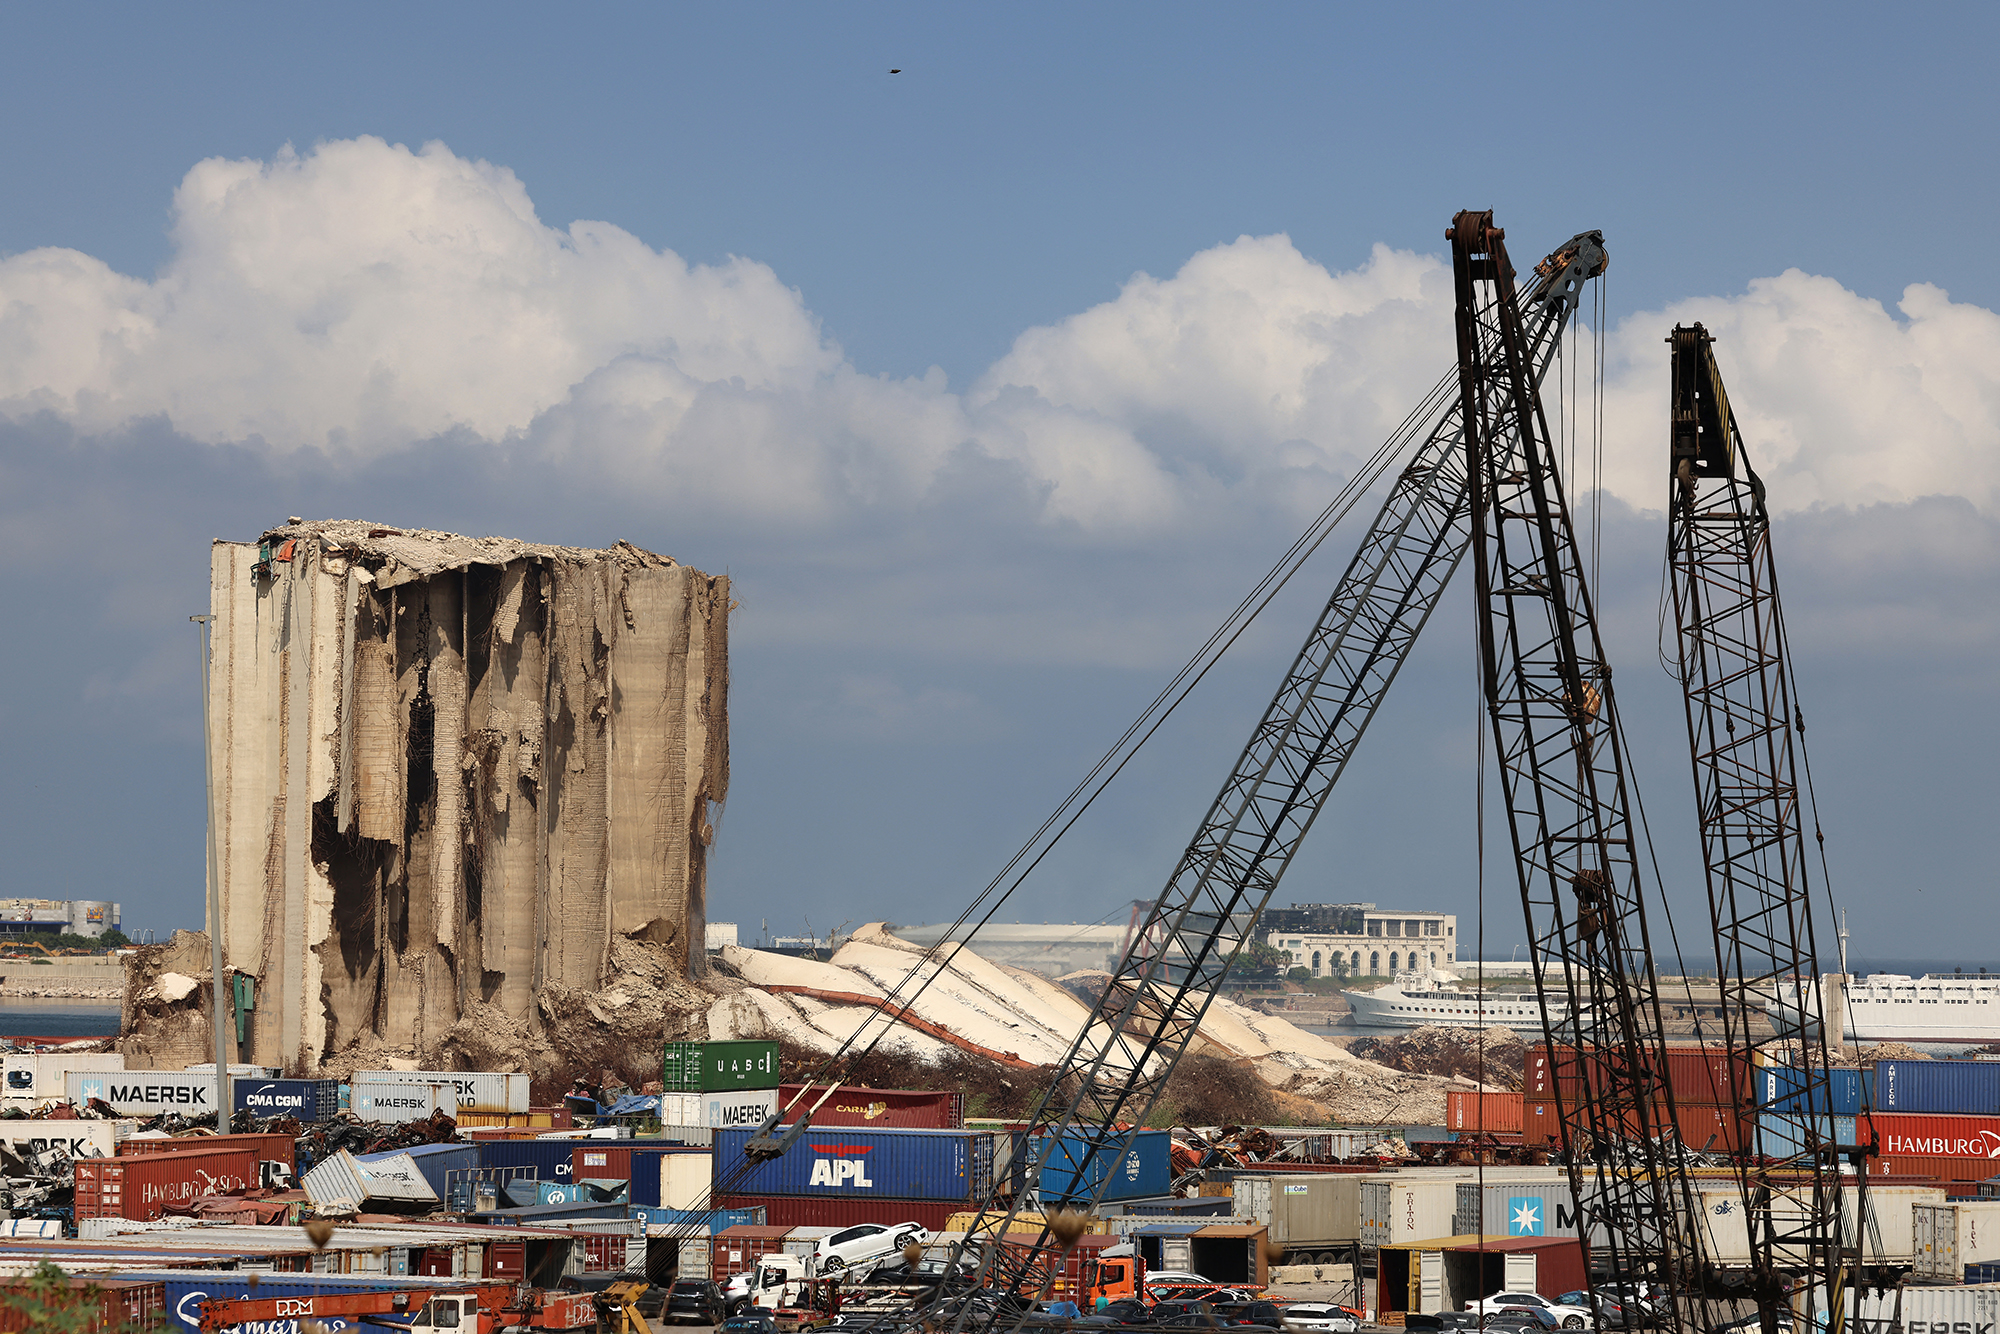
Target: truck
{"x": 461, "y": 1308}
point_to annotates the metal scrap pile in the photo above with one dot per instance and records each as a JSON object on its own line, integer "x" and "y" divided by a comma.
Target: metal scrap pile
{"x": 39, "y": 1182}
{"x": 351, "y": 1133}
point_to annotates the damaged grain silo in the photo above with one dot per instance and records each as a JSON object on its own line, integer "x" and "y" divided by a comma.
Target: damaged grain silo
{"x": 455, "y": 775}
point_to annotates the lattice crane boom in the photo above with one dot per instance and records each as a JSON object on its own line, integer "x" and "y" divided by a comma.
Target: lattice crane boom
{"x": 1744, "y": 735}
{"x": 1555, "y": 726}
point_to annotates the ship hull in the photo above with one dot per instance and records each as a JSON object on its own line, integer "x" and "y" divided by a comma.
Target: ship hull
{"x": 1898, "y": 1009}
{"x": 1390, "y": 1008}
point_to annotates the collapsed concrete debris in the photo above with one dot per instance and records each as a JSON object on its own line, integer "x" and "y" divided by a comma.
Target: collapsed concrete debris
{"x": 452, "y": 774}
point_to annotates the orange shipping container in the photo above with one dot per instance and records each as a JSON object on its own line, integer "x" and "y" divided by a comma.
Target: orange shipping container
{"x": 1497, "y": 1113}
{"x": 1702, "y": 1127}
{"x": 269, "y": 1148}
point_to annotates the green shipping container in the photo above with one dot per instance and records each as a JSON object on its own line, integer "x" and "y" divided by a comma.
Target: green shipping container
{"x": 715, "y": 1067}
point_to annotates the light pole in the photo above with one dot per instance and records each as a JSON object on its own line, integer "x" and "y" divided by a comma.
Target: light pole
{"x": 219, "y": 976}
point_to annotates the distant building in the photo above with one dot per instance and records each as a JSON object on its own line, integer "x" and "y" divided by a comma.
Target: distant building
{"x": 718, "y": 935}
{"x": 58, "y": 917}
{"x": 1360, "y": 940}
{"x": 1049, "y": 948}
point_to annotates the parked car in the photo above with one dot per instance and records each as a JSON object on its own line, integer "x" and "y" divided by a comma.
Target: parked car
{"x": 1497, "y": 1322}
{"x": 697, "y": 1300}
{"x": 1321, "y": 1318}
{"x": 750, "y": 1322}
{"x": 864, "y": 1241}
{"x": 1567, "y": 1317}
{"x": 1241, "y": 1313}
{"x": 1613, "y": 1313}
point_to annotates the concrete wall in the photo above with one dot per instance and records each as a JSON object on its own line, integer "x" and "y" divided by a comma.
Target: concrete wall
{"x": 450, "y": 769}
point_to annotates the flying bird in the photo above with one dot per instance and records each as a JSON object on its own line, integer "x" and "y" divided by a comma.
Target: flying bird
{"x": 895, "y": 71}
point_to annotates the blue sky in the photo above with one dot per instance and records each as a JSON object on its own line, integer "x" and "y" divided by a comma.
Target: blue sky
{"x": 959, "y": 583}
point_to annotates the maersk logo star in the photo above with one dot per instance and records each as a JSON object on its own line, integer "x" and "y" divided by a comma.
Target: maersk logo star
{"x": 1526, "y": 1219}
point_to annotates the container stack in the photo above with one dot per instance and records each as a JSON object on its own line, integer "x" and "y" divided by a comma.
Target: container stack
{"x": 845, "y": 1175}
{"x": 1705, "y": 1084}
{"x": 719, "y": 1085}
{"x": 1938, "y": 1119}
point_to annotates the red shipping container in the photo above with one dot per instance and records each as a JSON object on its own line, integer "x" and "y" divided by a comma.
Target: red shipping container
{"x": 269, "y": 1148}
{"x": 736, "y": 1250}
{"x": 1718, "y": 1129}
{"x": 111, "y": 1303}
{"x": 902, "y": 1109}
{"x": 1917, "y": 1135}
{"x": 139, "y": 1188}
{"x": 602, "y": 1160}
{"x": 1696, "y": 1074}
{"x": 1483, "y": 1112}
{"x": 790, "y": 1211}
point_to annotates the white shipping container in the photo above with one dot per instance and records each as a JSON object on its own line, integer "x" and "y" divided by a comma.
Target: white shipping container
{"x": 694, "y": 1257}
{"x": 471, "y": 1090}
{"x": 239, "y": 1071}
{"x": 719, "y": 1111}
{"x": 684, "y": 1180}
{"x": 397, "y": 1103}
{"x": 143, "y": 1093}
{"x": 1948, "y": 1237}
{"x": 1400, "y": 1210}
{"x": 1891, "y": 1211}
{"x": 78, "y": 1139}
{"x": 32, "y": 1079}
{"x": 1942, "y": 1310}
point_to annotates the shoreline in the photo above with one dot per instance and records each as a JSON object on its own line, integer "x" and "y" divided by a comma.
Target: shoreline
{"x": 100, "y": 994}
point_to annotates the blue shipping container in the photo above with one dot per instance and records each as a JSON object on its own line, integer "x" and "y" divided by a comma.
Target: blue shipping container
{"x": 550, "y": 1158}
{"x": 1957, "y": 1088}
{"x": 1784, "y": 1136}
{"x": 187, "y": 1289}
{"x": 1069, "y": 1171}
{"x": 646, "y": 1177}
{"x": 1989, "y": 1272}
{"x": 300, "y": 1099}
{"x": 1782, "y": 1089}
{"x": 433, "y": 1161}
{"x": 696, "y": 1222}
{"x": 845, "y": 1161}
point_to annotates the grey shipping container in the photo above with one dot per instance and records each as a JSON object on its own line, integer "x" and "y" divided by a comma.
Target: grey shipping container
{"x": 1312, "y": 1215}
{"x": 1949, "y": 1237}
{"x": 144, "y": 1092}
{"x": 1516, "y": 1209}
{"x": 394, "y": 1104}
{"x": 1940, "y": 1310}
{"x": 470, "y": 1090}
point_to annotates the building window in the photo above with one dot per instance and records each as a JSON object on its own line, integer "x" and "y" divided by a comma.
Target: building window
{"x": 1448, "y": 930}
{"x": 1374, "y": 928}
{"x": 1395, "y": 928}
{"x": 1393, "y": 956}
{"x": 1315, "y": 963}
{"x": 1355, "y": 962}
{"x": 1411, "y": 928}
{"x": 1375, "y": 964}
{"x": 1447, "y": 956}
{"x": 1434, "y": 958}
{"x": 1431, "y": 928}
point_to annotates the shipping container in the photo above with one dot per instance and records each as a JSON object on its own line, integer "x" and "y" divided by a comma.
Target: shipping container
{"x": 1429, "y": 1277}
{"x": 1694, "y": 1073}
{"x": 686, "y": 1180}
{"x": 1469, "y": 1112}
{"x": 237, "y": 1071}
{"x": 1937, "y": 1136}
{"x": 549, "y": 1159}
{"x": 468, "y": 1090}
{"x": 77, "y": 1139}
{"x": 903, "y": 1109}
{"x": 1716, "y": 1129}
{"x": 738, "y": 1249}
{"x": 106, "y": 1303}
{"x": 394, "y": 1104}
{"x": 1948, "y": 1237}
{"x": 1781, "y": 1136}
{"x": 32, "y": 1079}
{"x": 143, "y": 1093}
{"x": 1401, "y": 1210}
{"x": 141, "y": 1187}
{"x": 187, "y": 1289}
{"x": 434, "y": 1161}
{"x": 847, "y": 1161}
{"x": 684, "y": 1222}
{"x": 1781, "y": 1088}
{"x": 1950, "y": 1088}
{"x": 388, "y": 1183}
{"x": 535, "y": 1118}
{"x": 1947, "y": 1310}
{"x": 790, "y": 1211}
{"x": 309, "y": 1100}
{"x": 268, "y": 1148}
{"x": 749, "y": 1108}
{"x": 712, "y": 1067}
{"x": 1067, "y": 1168}
{"x": 1516, "y": 1209}
{"x": 1311, "y": 1216}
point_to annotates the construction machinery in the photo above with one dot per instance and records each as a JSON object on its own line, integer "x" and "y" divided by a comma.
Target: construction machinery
{"x": 617, "y": 1307}
{"x": 1746, "y": 740}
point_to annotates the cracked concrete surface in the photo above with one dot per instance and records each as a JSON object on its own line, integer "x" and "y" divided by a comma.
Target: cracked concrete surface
{"x": 451, "y": 771}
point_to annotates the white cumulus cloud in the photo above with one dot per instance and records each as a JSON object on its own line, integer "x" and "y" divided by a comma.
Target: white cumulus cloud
{"x": 363, "y": 298}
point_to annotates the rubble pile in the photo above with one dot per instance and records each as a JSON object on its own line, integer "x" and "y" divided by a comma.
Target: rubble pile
{"x": 1495, "y": 1057}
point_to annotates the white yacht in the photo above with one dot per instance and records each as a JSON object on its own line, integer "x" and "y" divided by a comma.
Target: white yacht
{"x": 1433, "y": 996}
{"x": 1892, "y": 1007}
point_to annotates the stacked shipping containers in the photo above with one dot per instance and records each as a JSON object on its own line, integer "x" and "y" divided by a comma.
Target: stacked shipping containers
{"x": 1704, "y": 1082}
{"x": 1937, "y": 1118}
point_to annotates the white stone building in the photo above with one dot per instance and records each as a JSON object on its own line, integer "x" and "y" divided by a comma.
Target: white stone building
{"x": 1369, "y": 941}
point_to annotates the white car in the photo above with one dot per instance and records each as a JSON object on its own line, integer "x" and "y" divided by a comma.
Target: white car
{"x": 1178, "y": 1278}
{"x": 1320, "y": 1318}
{"x": 864, "y": 1241}
{"x": 1569, "y": 1317}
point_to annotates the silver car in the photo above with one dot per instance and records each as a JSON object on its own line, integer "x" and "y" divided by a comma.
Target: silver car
{"x": 1321, "y": 1318}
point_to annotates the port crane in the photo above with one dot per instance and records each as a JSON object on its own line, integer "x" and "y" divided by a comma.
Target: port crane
{"x": 1745, "y": 738}
{"x": 1481, "y": 479}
